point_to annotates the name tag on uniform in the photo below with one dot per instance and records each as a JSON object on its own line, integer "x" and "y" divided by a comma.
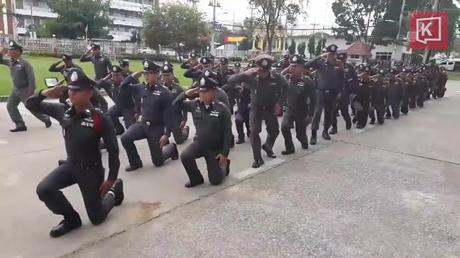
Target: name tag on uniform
{"x": 272, "y": 84}
{"x": 156, "y": 93}
{"x": 214, "y": 113}
{"x": 300, "y": 84}
{"x": 87, "y": 124}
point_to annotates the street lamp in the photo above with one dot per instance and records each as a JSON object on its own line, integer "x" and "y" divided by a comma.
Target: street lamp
{"x": 214, "y": 4}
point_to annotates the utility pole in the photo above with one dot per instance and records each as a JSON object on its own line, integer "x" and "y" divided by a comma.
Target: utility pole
{"x": 214, "y": 4}
{"x": 427, "y": 51}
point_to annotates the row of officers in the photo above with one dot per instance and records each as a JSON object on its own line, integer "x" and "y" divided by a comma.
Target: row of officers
{"x": 157, "y": 109}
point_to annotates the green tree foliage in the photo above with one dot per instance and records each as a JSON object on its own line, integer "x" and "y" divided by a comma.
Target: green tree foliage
{"x": 321, "y": 44}
{"x": 292, "y": 47}
{"x": 301, "y": 48}
{"x": 311, "y": 46}
{"x": 175, "y": 25}
{"x": 77, "y": 16}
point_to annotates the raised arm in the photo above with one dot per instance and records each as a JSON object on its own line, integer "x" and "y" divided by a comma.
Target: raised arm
{"x": 55, "y": 110}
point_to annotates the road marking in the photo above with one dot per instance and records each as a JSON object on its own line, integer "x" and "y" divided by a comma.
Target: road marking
{"x": 252, "y": 171}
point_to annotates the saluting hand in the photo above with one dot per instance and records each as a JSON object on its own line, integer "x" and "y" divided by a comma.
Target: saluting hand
{"x": 222, "y": 159}
{"x": 55, "y": 92}
{"x": 192, "y": 92}
{"x": 105, "y": 187}
{"x": 252, "y": 71}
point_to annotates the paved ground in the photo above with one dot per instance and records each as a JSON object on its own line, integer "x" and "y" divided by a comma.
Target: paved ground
{"x": 391, "y": 190}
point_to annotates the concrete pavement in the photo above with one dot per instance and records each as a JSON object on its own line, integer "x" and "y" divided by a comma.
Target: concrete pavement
{"x": 391, "y": 190}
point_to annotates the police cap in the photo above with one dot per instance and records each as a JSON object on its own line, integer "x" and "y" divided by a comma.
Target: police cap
{"x": 66, "y": 57}
{"x": 223, "y": 60}
{"x": 116, "y": 69}
{"x": 95, "y": 46}
{"x": 12, "y": 45}
{"x": 237, "y": 64}
{"x": 123, "y": 62}
{"x": 78, "y": 80}
{"x": 296, "y": 59}
{"x": 206, "y": 83}
{"x": 167, "y": 68}
{"x": 265, "y": 61}
{"x": 151, "y": 67}
{"x": 205, "y": 60}
{"x": 332, "y": 48}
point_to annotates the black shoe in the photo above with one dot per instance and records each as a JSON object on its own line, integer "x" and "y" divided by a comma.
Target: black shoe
{"x": 61, "y": 162}
{"x": 240, "y": 141}
{"x": 133, "y": 167}
{"x": 355, "y": 120}
{"x": 305, "y": 146}
{"x": 387, "y": 116}
{"x": 192, "y": 184}
{"x": 287, "y": 152}
{"x": 19, "y": 129}
{"x": 269, "y": 152}
{"x": 65, "y": 227}
{"x": 102, "y": 146}
{"x": 372, "y": 122}
{"x": 257, "y": 163}
{"x": 120, "y": 131}
{"x": 175, "y": 155}
{"x": 326, "y": 136}
{"x": 118, "y": 191}
{"x": 360, "y": 126}
{"x": 48, "y": 123}
{"x": 313, "y": 140}
{"x": 227, "y": 171}
{"x": 333, "y": 131}
{"x": 348, "y": 125}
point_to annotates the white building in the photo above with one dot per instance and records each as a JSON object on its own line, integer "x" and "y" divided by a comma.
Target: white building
{"x": 126, "y": 16}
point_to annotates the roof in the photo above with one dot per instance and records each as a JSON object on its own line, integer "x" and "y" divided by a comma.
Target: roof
{"x": 359, "y": 48}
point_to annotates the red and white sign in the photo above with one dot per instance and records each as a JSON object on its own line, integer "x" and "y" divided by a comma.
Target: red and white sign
{"x": 428, "y": 30}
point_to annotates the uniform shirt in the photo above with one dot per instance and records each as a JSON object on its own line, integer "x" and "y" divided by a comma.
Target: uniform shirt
{"x": 81, "y": 134}
{"x": 21, "y": 73}
{"x": 122, "y": 97}
{"x": 102, "y": 65}
{"x": 155, "y": 102}
{"x": 265, "y": 92}
{"x": 300, "y": 95}
{"x": 213, "y": 123}
{"x": 175, "y": 90}
{"x": 329, "y": 76}
{"x": 60, "y": 69}
{"x": 351, "y": 78}
{"x": 362, "y": 90}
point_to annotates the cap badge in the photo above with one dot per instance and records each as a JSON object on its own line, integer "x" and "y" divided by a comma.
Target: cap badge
{"x": 202, "y": 82}
{"x": 74, "y": 76}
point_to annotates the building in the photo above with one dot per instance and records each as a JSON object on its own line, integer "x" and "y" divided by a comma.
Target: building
{"x": 19, "y": 15}
{"x": 378, "y": 52}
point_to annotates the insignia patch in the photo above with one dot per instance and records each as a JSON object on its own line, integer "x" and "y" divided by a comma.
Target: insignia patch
{"x": 11, "y": 43}
{"x": 74, "y": 76}
{"x": 146, "y": 64}
{"x": 203, "y": 81}
{"x": 265, "y": 62}
{"x": 206, "y": 73}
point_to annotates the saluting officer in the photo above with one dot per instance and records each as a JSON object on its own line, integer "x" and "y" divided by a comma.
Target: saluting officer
{"x": 101, "y": 63}
{"x": 300, "y": 103}
{"x": 154, "y": 120}
{"x": 344, "y": 97}
{"x": 213, "y": 133}
{"x": 83, "y": 127}
{"x": 378, "y": 93}
{"x": 180, "y": 131}
{"x": 267, "y": 98}
{"x": 362, "y": 93}
{"x": 329, "y": 83}
{"x": 22, "y": 75}
{"x": 394, "y": 93}
{"x": 405, "y": 83}
{"x": 124, "y": 64}
{"x": 191, "y": 62}
{"x": 123, "y": 99}
{"x": 67, "y": 64}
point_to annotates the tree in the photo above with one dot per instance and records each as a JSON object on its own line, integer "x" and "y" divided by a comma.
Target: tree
{"x": 248, "y": 29}
{"x": 78, "y": 18}
{"x": 291, "y": 48}
{"x": 320, "y": 46}
{"x": 175, "y": 25}
{"x": 311, "y": 46}
{"x": 355, "y": 17}
{"x": 271, "y": 11}
{"x": 301, "y": 48}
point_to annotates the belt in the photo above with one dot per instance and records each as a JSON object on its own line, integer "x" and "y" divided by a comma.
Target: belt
{"x": 85, "y": 165}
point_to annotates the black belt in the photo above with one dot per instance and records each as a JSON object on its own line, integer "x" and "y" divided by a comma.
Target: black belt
{"x": 85, "y": 165}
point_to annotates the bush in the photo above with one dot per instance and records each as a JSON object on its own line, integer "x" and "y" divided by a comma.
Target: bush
{"x": 235, "y": 59}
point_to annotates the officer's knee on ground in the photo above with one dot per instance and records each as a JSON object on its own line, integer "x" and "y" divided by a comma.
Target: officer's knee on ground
{"x": 216, "y": 180}
{"x": 157, "y": 161}
{"x": 96, "y": 219}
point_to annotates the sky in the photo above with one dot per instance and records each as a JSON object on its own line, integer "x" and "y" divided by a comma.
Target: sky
{"x": 318, "y": 12}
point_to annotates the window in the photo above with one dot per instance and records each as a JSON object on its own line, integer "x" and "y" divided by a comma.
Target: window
{"x": 354, "y": 56}
{"x": 383, "y": 56}
{"x": 19, "y": 4}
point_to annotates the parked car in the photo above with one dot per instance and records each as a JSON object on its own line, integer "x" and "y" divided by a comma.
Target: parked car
{"x": 451, "y": 64}
{"x": 146, "y": 50}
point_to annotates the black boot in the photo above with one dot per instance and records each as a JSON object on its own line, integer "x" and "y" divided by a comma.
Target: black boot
{"x": 48, "y": 123}
{"x": 65, "y": 227}
{"x": 288, "y": 151}
{"x": 348, "y": 125}
{"x": 305, "y": 146}
{"x": 193, "y": 184}
{"x": 333, "y": 130}
{"x": 133, "y": 167}
{"x": 326, "y": 136}
{"x": 175, "y": 155}
{"x": 117, "y": 190}
{"x": 240, "y": 141}
{"x": 268, "y": 151}
{"x": 21, "y": 128}
{"x": 313, "y": 138}
{"x": 257, "y": 163}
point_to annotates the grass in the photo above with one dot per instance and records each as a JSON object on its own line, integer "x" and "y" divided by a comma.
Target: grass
{"x": 42, "y": 64}
{"x": 454, "y": 76}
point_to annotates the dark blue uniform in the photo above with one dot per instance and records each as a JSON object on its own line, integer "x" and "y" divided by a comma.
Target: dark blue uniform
{"x": 155, "y": 119}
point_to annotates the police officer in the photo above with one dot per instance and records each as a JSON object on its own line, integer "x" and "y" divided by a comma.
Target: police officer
{"x": 82, "y": 126}
{"x": 191, "y": 62}
{"x": 224, "y": 72}
{"x": 405, "y": 83}
{"x": 378, "y": 94}
{"x": 154, "y": 121}
{"x": 441, "y": 83}
{"x": 343, "y": 102}
{"x": 268, "y": 91}
{"x": 362, "y": 96}
{"x": 123, "y": 99}
{"x": 101, "y": 63}
{"x": 124, "y": 64}
{"x": 180, "y": 131}
{"x": 300, "y": 104}
{"x": 213, "y": 133}
{"x": 67, "y": 64}
{"x": 394, "y": 93}
{"x": 206, "y": 63}
{"x": 329, "y": 82}
{"x": 22, "y": 75}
